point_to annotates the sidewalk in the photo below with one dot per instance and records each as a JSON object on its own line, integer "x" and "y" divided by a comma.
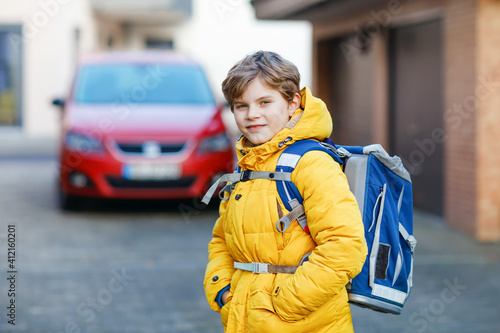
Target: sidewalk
{"x": 13, "y": 144}
{"x": 456, "y": 285}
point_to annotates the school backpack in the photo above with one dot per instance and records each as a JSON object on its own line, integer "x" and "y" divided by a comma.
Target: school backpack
{"x": 382, "y": 187}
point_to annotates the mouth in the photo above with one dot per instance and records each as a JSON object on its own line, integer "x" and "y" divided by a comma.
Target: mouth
{"x": 253, "y": 128}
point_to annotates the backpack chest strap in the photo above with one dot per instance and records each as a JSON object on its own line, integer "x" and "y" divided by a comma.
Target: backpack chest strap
{"x": 243, "y": 176}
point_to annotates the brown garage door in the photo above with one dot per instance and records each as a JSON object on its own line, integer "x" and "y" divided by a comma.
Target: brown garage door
{"x": 416, "y": 115}
{"x": 350, "y": 92}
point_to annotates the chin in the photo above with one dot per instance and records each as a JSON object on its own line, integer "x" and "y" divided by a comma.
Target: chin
{"x": 258, "y": 138}
{"x": 258, "y": 141}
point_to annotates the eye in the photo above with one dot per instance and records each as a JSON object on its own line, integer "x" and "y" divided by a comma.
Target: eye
{"x": 265, "y": 102}
{"x": 240, "y": 106}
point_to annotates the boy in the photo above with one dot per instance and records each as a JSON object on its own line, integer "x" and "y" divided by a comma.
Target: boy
{"x": 271, "y": 112}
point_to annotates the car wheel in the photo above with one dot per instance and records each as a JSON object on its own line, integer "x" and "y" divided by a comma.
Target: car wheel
{"x": 67, "y": 202}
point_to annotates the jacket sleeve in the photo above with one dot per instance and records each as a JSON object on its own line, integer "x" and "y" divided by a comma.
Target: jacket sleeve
{"x": 336, "y": 227}
{"x": 220, "y": 268}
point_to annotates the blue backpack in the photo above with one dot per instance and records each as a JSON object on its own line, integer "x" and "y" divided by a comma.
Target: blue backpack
{"x": 382, "y": 187}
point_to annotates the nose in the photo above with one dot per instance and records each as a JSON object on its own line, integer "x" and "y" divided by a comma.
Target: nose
{"x": 253, "y": 113}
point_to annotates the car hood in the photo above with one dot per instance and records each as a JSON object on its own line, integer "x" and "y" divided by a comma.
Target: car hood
{"x": 140, "y": 120}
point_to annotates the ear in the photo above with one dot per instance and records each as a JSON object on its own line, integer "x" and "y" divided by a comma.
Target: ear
{"x": 294, "y": 104}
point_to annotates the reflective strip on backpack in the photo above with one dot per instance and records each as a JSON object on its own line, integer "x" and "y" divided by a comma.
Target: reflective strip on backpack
{"x": 400, "y": 201}
{"x": 389, "y": 293}
{"x": 399, "y": 265}
{"x": 288, "y": 160}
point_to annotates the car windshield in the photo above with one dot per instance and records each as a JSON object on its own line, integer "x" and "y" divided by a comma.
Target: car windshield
{"x": 130, "y": 83}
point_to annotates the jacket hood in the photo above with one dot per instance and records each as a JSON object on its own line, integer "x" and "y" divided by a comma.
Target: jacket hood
{"x": 311, "y": 121}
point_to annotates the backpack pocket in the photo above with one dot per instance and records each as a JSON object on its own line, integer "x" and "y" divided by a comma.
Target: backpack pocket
{"x": 389, "y": 254}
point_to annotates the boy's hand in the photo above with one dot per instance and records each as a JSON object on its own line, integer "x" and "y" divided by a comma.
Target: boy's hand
{"x": 224, "y": 296}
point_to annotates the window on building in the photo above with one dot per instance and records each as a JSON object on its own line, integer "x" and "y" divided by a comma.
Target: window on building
{"x": 159, "y": 44}
{"x": 10, "y": 75}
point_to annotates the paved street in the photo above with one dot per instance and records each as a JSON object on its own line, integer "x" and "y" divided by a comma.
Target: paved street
{"x": 107, "y": 269}
{"x": 138, "y": 267}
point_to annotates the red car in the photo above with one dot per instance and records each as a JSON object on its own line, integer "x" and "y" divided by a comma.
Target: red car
{"x": 140, "y": 125}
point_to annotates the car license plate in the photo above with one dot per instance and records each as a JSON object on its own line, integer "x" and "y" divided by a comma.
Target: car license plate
{"x": 151, "y": 172}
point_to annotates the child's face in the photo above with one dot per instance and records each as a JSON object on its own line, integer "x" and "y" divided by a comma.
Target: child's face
{"x": 261, "y": 112}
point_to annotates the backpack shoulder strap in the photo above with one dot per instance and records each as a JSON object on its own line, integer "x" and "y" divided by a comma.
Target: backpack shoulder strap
{"x": 288, "y": 192}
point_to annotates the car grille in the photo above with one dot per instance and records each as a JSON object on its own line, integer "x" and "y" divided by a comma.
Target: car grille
{"x": 118, "y": 182}
{"x": 137, "y": 148}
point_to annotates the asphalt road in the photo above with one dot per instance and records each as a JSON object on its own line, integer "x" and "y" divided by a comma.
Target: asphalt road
{"x": 118, "y": 267}
{"x": 114, "y": 267}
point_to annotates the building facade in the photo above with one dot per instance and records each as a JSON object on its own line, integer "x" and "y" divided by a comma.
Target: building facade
{"x": 41, "y": 42}
{"x": 422, "y": 78}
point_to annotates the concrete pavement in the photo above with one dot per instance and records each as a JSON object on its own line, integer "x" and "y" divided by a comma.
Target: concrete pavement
{"x": 15, "y": 144}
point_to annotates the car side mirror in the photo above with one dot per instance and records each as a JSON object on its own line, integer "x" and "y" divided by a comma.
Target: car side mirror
{"x": 58, "y": 102}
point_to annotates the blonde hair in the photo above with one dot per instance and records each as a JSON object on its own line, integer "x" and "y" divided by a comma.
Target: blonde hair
{"x": 277, "y": 72}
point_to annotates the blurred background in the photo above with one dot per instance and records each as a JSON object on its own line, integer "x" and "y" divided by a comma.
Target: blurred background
{"x": 420, "y": 77}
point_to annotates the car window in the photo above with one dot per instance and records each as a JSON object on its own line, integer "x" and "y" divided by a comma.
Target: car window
{"x": 131, "y": 83}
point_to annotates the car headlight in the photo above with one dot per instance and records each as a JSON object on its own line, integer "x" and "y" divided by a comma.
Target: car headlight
{"x": 215, "y": 143}
{"x": 82, "y": 143}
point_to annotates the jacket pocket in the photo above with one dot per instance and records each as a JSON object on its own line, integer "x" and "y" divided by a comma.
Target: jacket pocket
{"x": 224, "y": 313}
{"x": 261, "y": 299}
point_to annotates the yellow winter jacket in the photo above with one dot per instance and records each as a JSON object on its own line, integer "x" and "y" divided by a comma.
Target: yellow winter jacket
{"x": 314, "y": 298}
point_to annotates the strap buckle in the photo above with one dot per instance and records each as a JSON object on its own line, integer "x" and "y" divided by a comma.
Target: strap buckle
{"x": 245, "y": 175}
{"x": 343, "y": 153}
{"x": 412, "y": 243}
{"x": 259, "y": 267}
{"x": 229, "y": 188}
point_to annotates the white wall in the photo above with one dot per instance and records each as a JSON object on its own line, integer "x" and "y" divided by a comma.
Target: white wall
{"x": 224, "y": 31}
{"x": 49, "y": 51}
